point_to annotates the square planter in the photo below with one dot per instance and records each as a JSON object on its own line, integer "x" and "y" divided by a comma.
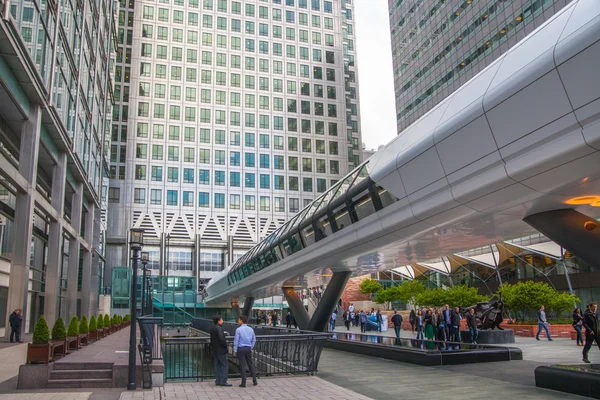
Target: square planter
{"x": 83, "y": 339}
{"x": 93, "y": 335}
{"x": 39, "y": 353}
{"x": 72, "y": 343}
{"x": 59, "y": 348}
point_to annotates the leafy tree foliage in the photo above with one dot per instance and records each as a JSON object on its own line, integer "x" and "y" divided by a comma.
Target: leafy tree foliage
{"x": 408, "y": 291}
{"x": 370, "y": 286}
{"x": 41, "y": 333}
{"x": 524, "y": 298}
{"x": 455, "y": 296}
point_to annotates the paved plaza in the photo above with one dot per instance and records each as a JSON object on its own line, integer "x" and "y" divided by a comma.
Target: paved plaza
{"x": 344, "y": 375}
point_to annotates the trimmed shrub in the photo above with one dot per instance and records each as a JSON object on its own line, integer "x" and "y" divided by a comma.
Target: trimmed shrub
{"x": 73, "y": 327}
{"x": 100, "y": 323}
{"x": 92, "y": 326}
{"x": 41, "y": 333}
{"x": 59, "y": 332}
{"x": 106, "y": 321}
{"x": 83, "y": 325}
{"x": 127, "y": 318}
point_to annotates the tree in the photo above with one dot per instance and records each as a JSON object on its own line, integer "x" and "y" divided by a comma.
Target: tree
{"x": 41, "y": 333}
{"x": 432, "y": 297}
{"x": 408, "y": 291}
{"x": 73, "y": 327}
{"x": 370, "y": 286}
{"x": 83, "y": 325}
{"x": 463, "y": 296}
{"x": 59, "y": 332}
{"x": 562, "y": 302}
{"x": 385, "y": 296}
{"x": 525, "y": 297}
{"x": 92, "y": 326}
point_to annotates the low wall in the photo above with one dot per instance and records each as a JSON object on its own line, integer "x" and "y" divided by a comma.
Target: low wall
{"x": 556, "y": 331}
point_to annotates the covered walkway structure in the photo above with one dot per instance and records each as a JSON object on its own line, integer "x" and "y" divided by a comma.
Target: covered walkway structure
{"x": 514, "y": 148}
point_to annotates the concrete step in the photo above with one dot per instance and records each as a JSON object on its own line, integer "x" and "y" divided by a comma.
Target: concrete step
{"x": 81, "y": 374}
{"x": 82, "y": 365}
{"x": 78, "y": 383}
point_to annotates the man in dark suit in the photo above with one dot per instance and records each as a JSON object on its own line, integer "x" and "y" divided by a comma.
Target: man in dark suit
{"x": 455, "y": 318}
{"x": 219, "y": 346}
{"x": 592, "y": 327}
{"x": 15, "y": 326}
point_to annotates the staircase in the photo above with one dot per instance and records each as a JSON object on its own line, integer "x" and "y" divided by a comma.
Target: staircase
{"x": 81, "y": 375}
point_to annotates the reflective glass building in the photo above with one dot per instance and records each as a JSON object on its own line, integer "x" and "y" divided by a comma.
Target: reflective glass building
{"x": 438, "y": 45}
{"x": 231, "y": 116}
{"x": 55, "y": 101}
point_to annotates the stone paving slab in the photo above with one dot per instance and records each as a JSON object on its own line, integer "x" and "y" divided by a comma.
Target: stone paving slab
{"x": 46, "y": 396}
{"x": 289, "y": 388}
{"x": 113, "y": 348}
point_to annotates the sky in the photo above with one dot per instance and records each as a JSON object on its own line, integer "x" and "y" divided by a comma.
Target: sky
{"x": 375, "y": 72}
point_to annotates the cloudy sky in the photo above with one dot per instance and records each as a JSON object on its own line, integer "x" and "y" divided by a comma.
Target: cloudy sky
{"x": 375, "y": 72}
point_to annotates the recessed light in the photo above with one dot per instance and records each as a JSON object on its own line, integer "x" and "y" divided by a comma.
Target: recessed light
{"x": 583, "y": 200}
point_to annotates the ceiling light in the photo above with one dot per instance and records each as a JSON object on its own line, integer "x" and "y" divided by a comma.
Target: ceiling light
{"x": 590, "y": 225}
{"x": 583, "y": 200}
{"x": 596, "y": 203}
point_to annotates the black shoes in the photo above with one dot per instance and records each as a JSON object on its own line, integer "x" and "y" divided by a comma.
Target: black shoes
{"x": 255, "y": 383}
{"x": 585, "y": 360}
{"x": 227, "y": 384}
{"x": 243, "y": 385}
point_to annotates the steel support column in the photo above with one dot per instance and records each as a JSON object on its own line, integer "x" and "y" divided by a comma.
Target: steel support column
{"x": 328, "y": 302}
{"x": 248, "y": 303}
{"x": 567, "y": 228}
{"x": 298, "y": 310}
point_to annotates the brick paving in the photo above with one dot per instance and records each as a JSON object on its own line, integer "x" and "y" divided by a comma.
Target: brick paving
{"x": 289, "y": 388}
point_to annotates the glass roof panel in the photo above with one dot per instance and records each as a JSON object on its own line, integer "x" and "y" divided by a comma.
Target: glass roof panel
{"x": 362, "y": 175}
{"x": 345, "y": 185}
{"x": 327, "y": 196}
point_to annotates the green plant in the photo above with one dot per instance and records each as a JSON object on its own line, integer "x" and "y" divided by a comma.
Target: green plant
{"x": 106, "y": 321}
{"x": 83, "y": 325}
{"x": 523, "y": 299}
{"x": 408, "y": 291}
{"x": 73, "y": 327}
{"x": 100, "y": 323}
{"x": 92, "y": 326}
{"x": 41, "y": 333}
{"x": 127, "y": 318}
{"x": 370, "y": 286}
{"x": 59, "y": 332}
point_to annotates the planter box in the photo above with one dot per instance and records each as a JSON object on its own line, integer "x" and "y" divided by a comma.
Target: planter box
{"x": 72, "y": 343}
{"x": 60, "y": 348}
{"x": 84, "y": 339}
{"x": 39, "y": 353}
{"x": 558, "y": 330}
{"x": 93, "y": 335}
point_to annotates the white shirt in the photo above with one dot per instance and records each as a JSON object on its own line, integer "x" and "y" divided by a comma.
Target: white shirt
{"x": 351, "y": 308}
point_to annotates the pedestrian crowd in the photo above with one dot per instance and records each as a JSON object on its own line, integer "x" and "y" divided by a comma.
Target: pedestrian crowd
{"x": 442, "y": 324}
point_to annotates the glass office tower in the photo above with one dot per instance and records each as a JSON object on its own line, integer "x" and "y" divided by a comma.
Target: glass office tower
{"x": 231, "y": 117}
{"x": 55, "y": 98}
{"x": 438, "y": 45}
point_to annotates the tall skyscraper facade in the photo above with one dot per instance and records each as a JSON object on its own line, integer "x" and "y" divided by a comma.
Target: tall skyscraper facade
{"x": 231, "y": 116}
{"x": 55, "y": 98}
{"x": 438, "y": 45}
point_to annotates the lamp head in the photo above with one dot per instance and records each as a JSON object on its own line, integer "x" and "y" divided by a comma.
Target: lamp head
{"x": 137, "y": 238}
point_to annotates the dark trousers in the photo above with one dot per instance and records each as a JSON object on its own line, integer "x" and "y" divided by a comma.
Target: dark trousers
{"x": 347, "y": 323}
{"x": 244, "y": 354}
{"x": 455, "y": 334}
{"x": 397, "y": 329}
{"x": 16, "y": 333}
{"x": 221, "y": 368}
{"x": 288, "y": 324}
{"x": 363, "y": 327}
{"x": 474, "y": 334}
{"x": 447, "y": 332}
{"x": 589, "y": 341}
{"x": 440, "y": 333}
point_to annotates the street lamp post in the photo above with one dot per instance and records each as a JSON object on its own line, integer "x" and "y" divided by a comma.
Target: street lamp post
{"x": 136, "y": 243}
{"x": 167, "y": 261}
{"x": 145, "y": 259}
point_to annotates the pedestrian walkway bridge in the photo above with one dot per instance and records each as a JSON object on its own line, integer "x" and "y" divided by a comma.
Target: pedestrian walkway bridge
{"x": 519, "y": 140}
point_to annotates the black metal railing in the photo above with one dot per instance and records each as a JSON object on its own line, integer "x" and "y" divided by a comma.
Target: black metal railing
{"x": 150, "y": 336}
{"x": 192, "y": 358}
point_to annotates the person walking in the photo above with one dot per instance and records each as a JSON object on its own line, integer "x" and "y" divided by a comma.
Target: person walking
{"x": 332, "y": 320}
{"x": 219, "y": 346}
{"x": 397, "y": 321}
{"x": 363, "y": 321}
{"x": 592, "y": 328}
{"x": 347, "y": 320}
{"x": 351, "y": 308}
{"x": 412, "y": 319}
{"x": 274, "y": 318}
{"x": 578, "y": 325}
{"x": 379, "y": 319}
{"x": 15, "y": 326}
{"x": 428, "y": 322}
{"x": 288, "y": 320}
{"x": 419, "y": 324}
{"x": 356, "y": 318}
{"x": 455, "y": 318}
{"x": 243, "y": 343}
{"x": 542, "y": 323}
{"x": 440, "y": 326}
{"x": 472, "y": 324}
{"x": 447, "y": 322}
